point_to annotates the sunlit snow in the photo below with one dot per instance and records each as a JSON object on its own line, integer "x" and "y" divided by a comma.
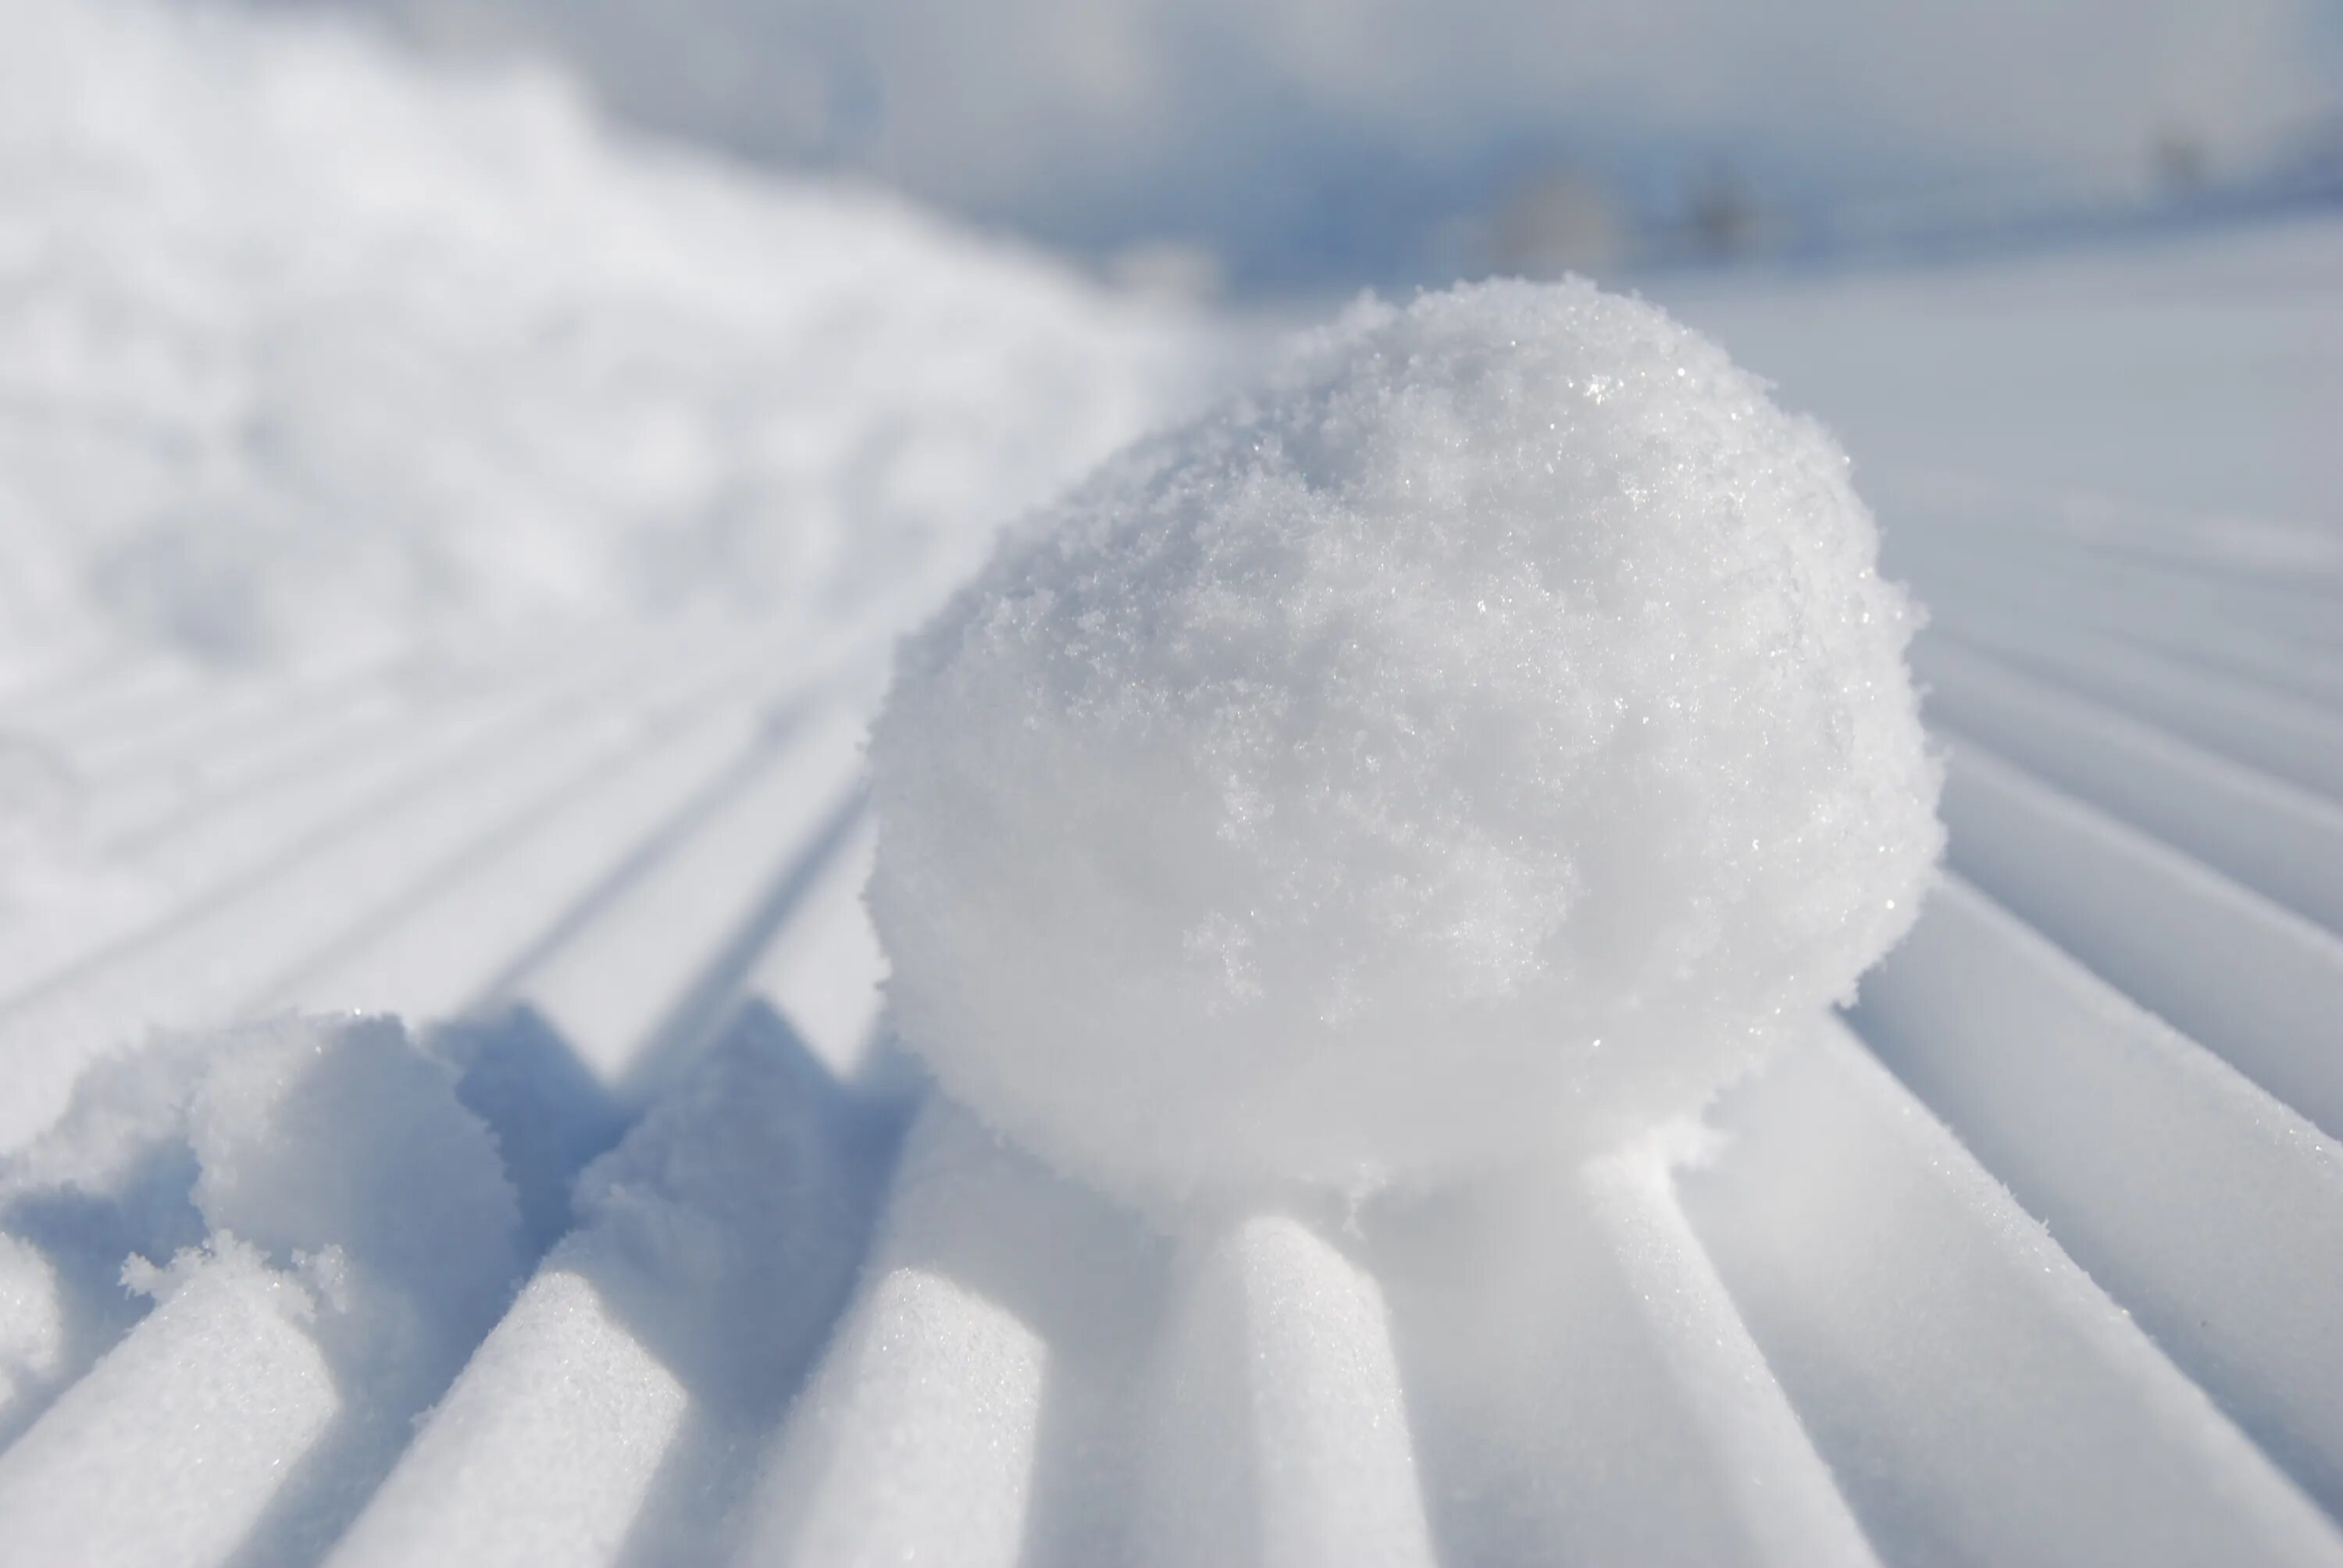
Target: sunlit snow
{"x": 453, "y": 1106}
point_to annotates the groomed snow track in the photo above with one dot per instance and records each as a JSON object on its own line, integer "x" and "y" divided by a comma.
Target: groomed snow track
{"x": 2035, "y": 1259}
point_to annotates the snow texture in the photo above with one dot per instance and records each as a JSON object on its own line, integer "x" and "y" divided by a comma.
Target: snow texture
{"x": 2041, "y": 1266}
{"x": 325, "y": 1232}
{"x": 1485, "y": 736}
{"x": 305, "y": 353}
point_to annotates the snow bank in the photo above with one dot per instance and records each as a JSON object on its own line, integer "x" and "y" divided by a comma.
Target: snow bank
{"x": 1487, "y": 736}
{"x": 305, "y": 350}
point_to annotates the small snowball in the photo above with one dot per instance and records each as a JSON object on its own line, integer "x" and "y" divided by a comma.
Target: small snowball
{"x": 313, "y": 1134}
{"x": 1486, "y": 736}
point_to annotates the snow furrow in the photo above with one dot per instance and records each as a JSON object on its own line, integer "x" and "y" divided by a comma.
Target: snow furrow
{"x": 243, "y": 705}
{"x": 151, "y": 804}
{"x": 627, "y": 1389}
{"x": 195, "y": 968}
{"x": 2202, "y": 602}
{"x": 135, "y": 808}
{"x": 919, "y": 1442}
{"x": 2204, "y": 1206}
{"x": 973, "y": 1403}
{"x": 2255, "y": 982}
{"x": 2275, "y": 838}
{"x": 1281, "y": 1432}
{"x": 460, "y": 865}
{"x": 84, "y": 1486}
{"x": 1558, "y": 1334}
{"x": 2031, "y": 618}
{"x": 563, "y": 1406}
{"x": 823, "y": 970}
{"x": 1978, "y": 1398}
{"x": 432, "y": 958}
{"x": 262, "y": 834}
{"x": 581, "y": 1381}
{"x": 353, "y": 783}
{"x": 628, "y": 988}
{"x": 2296, "y": 740}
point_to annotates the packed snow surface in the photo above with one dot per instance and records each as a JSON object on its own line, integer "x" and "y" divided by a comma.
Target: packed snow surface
{"x": 1490, "y": 734}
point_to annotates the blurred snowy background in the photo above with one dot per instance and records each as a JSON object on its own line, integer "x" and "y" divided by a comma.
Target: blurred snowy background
{"x": 1325, "y": 144}
{"x": 352, "y": 324}
{"x": 463, "y": 463}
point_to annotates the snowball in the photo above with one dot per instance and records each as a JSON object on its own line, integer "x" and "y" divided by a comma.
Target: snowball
{"x": 1487, "y": 736}
{"x": 317, "y": 1132}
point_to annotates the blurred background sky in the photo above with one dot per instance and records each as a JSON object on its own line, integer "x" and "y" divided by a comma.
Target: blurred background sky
{"x": 1302, "y": 146}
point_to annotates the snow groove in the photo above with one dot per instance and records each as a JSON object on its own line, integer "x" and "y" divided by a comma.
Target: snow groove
{"x": 644, "y": 923}
{"x": 2202, "y": 1204}
{"x": 2290, "y": 735}
{"x": 2274, "y": 837}
{"x": 1857, "y": 1235}
{"x": 2251, "y": 980}
{"x": 2032, "y": 1260}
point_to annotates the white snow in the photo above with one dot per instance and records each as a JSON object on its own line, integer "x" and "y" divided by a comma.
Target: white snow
{"x": 2056, "y": 1431}
{"x": 306, "y": 353}
{"x": 608, "y": 1256}
{"x": 1483, "y": 738}
{"x": 358, "y": 1236}
{"x": 948, "y": 1420}
{"x": 638, "y": 1368}
{"x": 32, "y": 1329}
{"x": 175, "y": 1446}
{"x": 1283, "y": 1434}
{"x": 2055, "y": 1078}
{"x": 362, "y": 385}
{"x": 2249, "y": 980}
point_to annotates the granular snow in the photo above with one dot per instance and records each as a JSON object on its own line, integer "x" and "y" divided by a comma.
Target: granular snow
{"x": 1489, "y": 735}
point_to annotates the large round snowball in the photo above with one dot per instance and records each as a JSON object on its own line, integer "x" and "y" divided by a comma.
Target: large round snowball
{"x": 1491, "y": 734}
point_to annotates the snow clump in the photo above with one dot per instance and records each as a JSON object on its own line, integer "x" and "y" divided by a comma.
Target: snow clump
{"x": 1492, "y": 734}
{"x": 334, "y": 1152}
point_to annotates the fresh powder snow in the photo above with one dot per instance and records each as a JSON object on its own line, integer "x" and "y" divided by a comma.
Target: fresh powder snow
{"x": 1486, "y": 736}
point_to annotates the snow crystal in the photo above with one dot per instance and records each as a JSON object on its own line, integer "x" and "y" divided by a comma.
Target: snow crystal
{"x": 1483, "y": 736}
